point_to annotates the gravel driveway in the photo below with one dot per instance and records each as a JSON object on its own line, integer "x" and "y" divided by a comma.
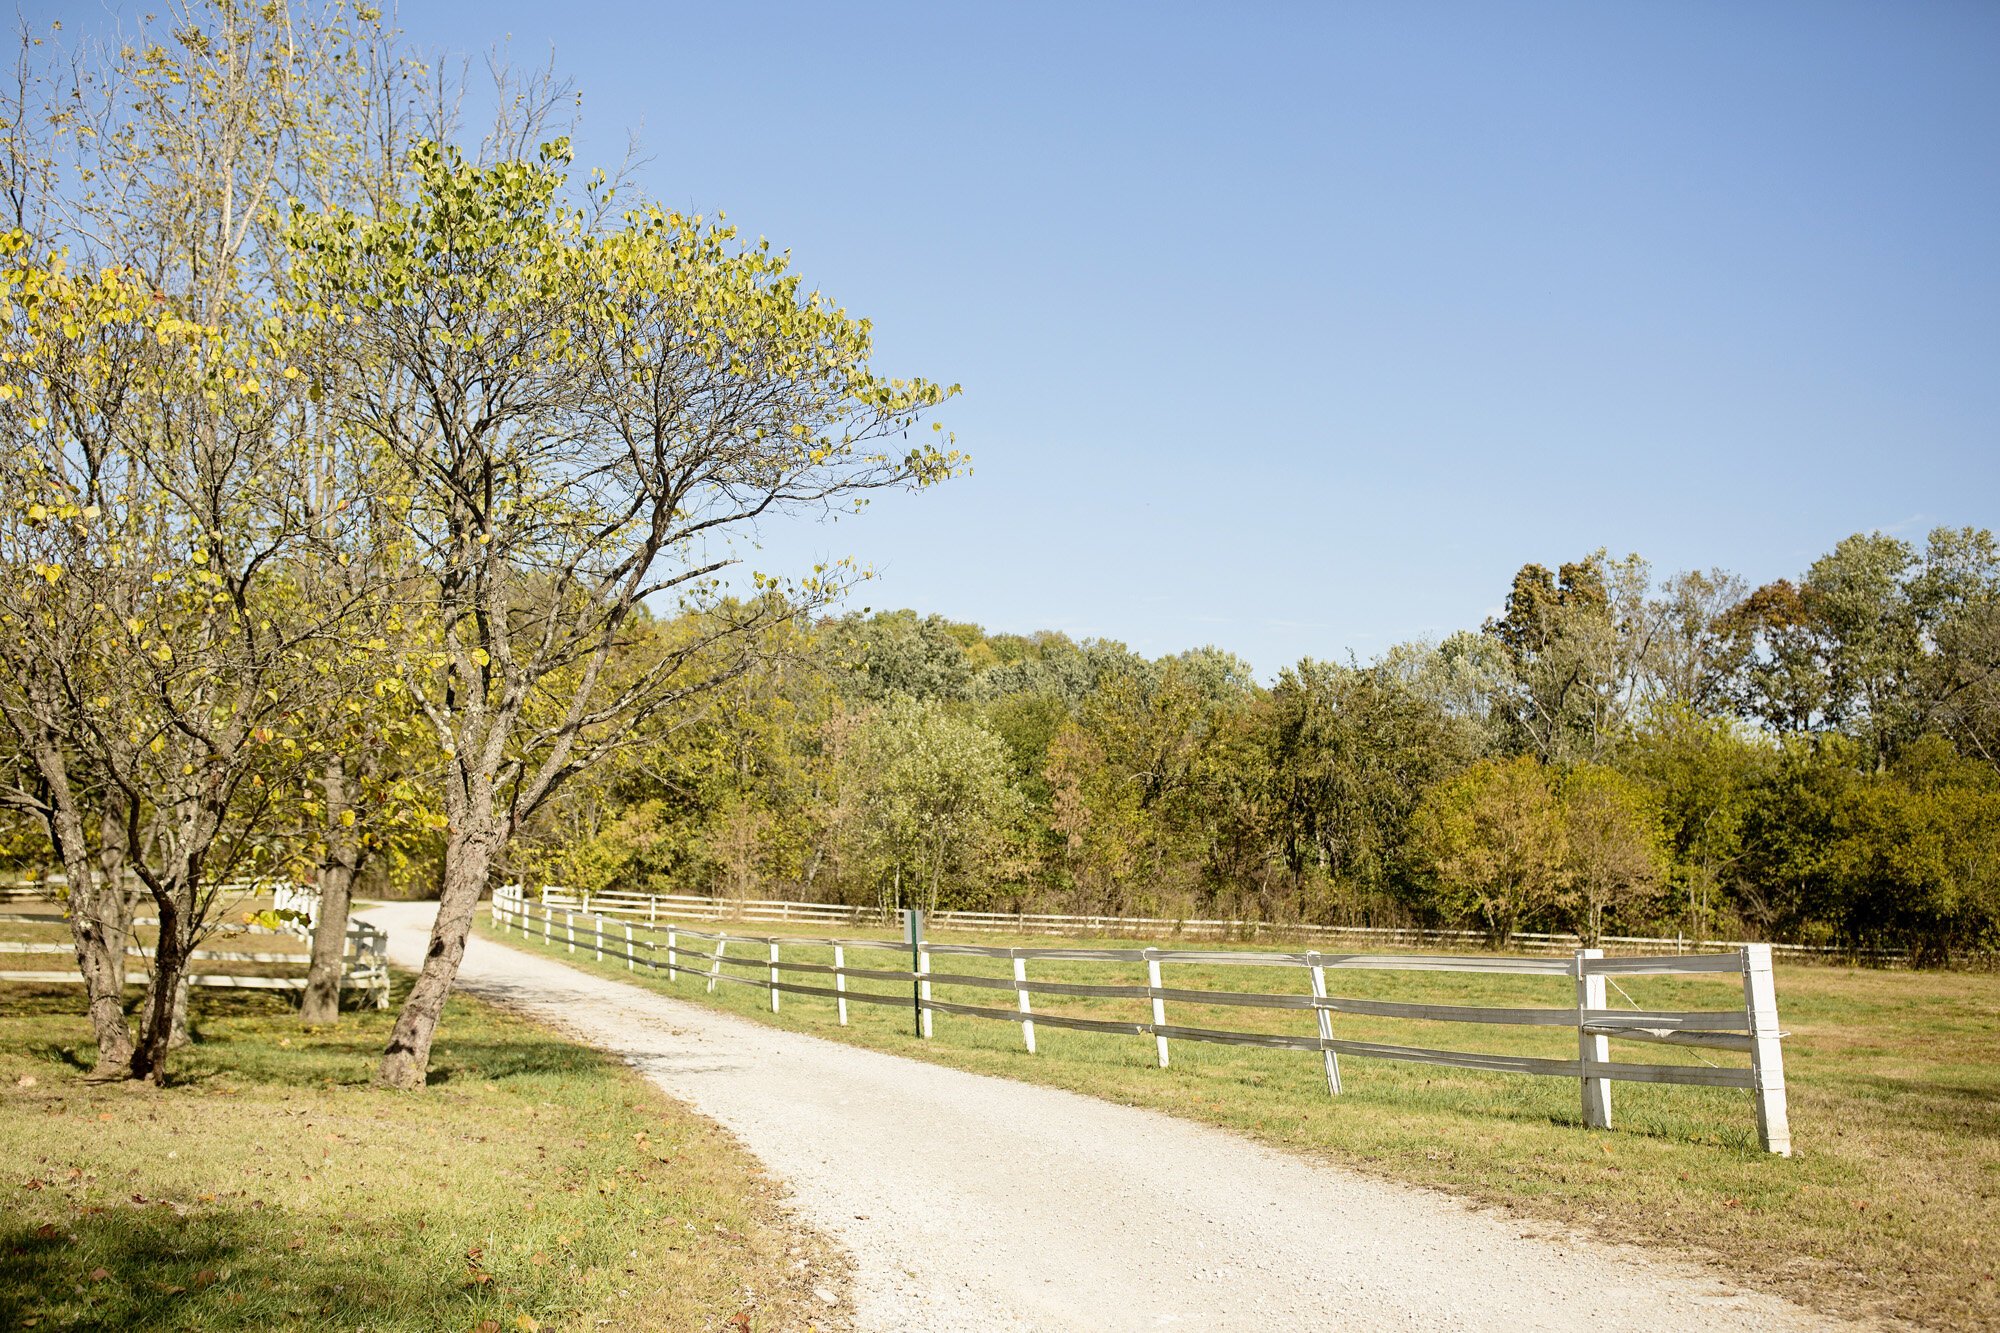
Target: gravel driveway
{"x": 976, "y": 1203}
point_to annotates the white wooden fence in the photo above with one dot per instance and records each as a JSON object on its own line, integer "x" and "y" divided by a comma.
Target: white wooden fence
{"x": 661, "y": 944}
{"x": 364, "y": 959}
{"x": 655, "y": 907}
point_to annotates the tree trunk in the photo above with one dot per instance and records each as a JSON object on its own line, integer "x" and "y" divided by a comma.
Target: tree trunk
{"x": 337, "y": 874}
{"x": 114, "y": 904}
{"x": 467, "y": 859}
{"x": 165, "y": 1015}
{"x": 99, "y": 919}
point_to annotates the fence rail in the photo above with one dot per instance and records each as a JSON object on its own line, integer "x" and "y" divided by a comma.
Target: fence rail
{"x": 770, "y": 911}
{"x": 661, "y": 944}
{"x": 364, "y": 957}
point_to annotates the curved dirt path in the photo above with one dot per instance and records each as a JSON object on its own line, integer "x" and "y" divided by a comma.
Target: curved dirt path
{"x": 973, "y": 1203}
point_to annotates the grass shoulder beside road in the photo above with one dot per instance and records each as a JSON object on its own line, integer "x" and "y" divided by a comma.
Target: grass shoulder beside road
{"x": 535, "y": 1183}
{"x": 1890, "y": 1206}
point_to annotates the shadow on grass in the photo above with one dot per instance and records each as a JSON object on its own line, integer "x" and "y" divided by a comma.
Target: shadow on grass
{"x": 122, "y": 1268}
{"x": 1963, "y": 1109}
{"x": 496, "y": 1061}
{"x": 149, "y": 1268}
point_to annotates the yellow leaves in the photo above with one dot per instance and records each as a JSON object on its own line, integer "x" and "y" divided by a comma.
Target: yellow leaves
{"x": 347, "y": 819}
{"x": 163, "y": 654}
{"x": 159, "y": 743}
{"x": 481, "y": 657}
{"x": 36, "y": 513}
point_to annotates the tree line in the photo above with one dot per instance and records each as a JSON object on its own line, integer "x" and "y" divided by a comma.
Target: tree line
{"x": 1812, "y": 760}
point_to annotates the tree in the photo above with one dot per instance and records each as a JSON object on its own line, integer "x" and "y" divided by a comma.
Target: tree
{"x": 1574, "y": 646}
{"x": 1956, "y": 592}
{"x": 1143, "y": 781}
{"x": 584, "y": 408}
{"x": 1493, "y": 841}
{"x": 898, "y": 652}
{"x": 936, "y": 803}
{"x": 1614, "y": 854}
{"x": 1693, "y": 656}
{"x": 162, "y": 641}
{"x": 1857, "y": 598}
{"x": 1912, "y": 859}
{"x": 1704, "y": 773}
{"x": 1351, "y": 752}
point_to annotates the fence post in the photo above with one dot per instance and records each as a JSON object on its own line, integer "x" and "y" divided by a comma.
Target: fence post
{"x": 630, "y": 958}
{"x": 672, "y": 962}
{"x": 569, "y": 926}
{"x": 840, "y": 980}
{"x": 586, "y": 900}
{"x": 548, "y": 915}
{"x": 1020, "y": 982}
{"x": 1327, "y": 1054}
{"x": 1592, "y": 1050}
{"x": 715, "y": 968}
{"x": 652, "y": 910}
{"x": 1767, "y": 1060}
{"x": 1159, "y": 1005}
{"x": 597, "y": 928}
{"x": 774, "y": 976}
{"x": 920, "y": 990}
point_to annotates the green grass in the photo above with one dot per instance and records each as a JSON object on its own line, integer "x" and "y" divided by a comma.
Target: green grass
{"x": 1889, "y": 1207}
{"x": 269, "y": 1186}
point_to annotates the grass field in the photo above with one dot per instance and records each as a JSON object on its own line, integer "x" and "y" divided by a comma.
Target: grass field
{"x": 535, "y": 1184}
{"x": 1890, "y": 1206}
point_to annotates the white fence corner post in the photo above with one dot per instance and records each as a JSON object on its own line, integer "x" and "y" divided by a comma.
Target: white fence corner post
{"x": 715, "y": 968}
{"x": 597, "y": 929}
{"x": 1021, "y": 990}
{"x": 1767, "y": 1060}
{"x": 1328, "y": 1056}
{"x": 631, "y": 962}
{"x": 569, "y": 926}
{"x": 1159, "y": 1004}
{"x": 1592, "y": 1049}
{"x": 774, "y": 976}
{"x": 840, "y": 981}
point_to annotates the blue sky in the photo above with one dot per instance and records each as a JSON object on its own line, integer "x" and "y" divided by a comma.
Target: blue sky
{"x": 1297, "y": 328}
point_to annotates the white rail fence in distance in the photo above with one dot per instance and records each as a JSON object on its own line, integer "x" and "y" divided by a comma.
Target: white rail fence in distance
{"x": 774, "y": 911}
